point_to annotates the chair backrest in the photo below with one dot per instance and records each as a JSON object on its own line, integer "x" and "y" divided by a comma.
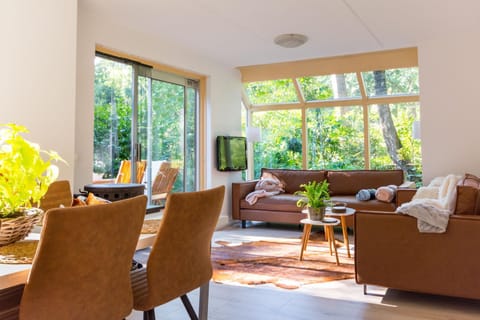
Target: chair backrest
{"x": 125, "y": 173}
{"x": 164, "y": 182}
{"x": 180, "y": 257}
{"x": 58, "y": 194}
{"x": 81, "y": 269}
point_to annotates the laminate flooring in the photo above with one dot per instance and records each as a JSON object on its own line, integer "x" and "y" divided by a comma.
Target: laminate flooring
{"x": 331, "y": 300}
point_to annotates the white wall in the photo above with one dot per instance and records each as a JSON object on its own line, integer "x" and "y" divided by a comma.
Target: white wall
{"x": 450, "y": 106}
{"x": 37, "y": 63}
{"x": 223, "y": 94}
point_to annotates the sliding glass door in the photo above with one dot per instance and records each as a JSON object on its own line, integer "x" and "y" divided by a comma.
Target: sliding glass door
{"x": 147, "y": 116}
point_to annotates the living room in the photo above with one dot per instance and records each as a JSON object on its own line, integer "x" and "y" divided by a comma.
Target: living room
{"x": 52, "y": 46}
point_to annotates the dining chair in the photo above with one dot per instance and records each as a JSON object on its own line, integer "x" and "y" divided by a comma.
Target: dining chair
{"x": 179, "y": 261}
{"x": 81, "y": 269}
{"x": 59, "y": 194}
{"x": 163, "y": 183}
{"x": 124, "y": 172}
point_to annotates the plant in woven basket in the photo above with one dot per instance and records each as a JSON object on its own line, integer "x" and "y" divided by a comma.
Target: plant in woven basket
{"x": 26, "y": 171}
{"x": 313, "y": 197}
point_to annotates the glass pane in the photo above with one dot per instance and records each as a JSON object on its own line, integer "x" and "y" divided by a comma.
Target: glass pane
{"x": 281, "y": 145}
{"x": 335, "y": 138}
{"x": 271, "y": 92}
{"x": 112, "y": 117}
{"x": 168, "y": 128}
{"x": 391, "y": 82}
{"x": 336, "y": 86}
{"x": 394, "y": 138}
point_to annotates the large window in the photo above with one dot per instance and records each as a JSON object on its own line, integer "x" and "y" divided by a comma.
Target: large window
{"x": 146, "y": 115}
{"x": 353, "y": 112}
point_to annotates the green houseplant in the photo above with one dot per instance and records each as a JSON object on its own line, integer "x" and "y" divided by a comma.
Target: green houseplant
{"x": 313, "y": 197}
{"x": 26, "y": 171}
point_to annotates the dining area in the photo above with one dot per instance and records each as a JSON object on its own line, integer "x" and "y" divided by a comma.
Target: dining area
{"x": 83, "y": 267}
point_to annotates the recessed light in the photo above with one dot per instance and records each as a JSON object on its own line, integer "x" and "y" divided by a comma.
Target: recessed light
{"x": 290, "y": 40}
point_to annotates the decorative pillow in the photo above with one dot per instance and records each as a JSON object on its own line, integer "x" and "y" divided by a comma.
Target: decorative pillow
{"x": 387, "y": 193}
{"x": 471, "y": 181}
{"x": 468, "y": 199}
{"x": 365, "y": 194}
{"x": 90, "y": 200}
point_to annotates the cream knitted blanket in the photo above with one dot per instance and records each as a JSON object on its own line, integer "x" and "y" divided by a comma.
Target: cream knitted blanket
{"x": 433, "y": 205}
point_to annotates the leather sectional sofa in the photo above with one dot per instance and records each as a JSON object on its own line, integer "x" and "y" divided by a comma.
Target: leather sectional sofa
{"x": 343, "y": 186}
{"x": 391, "y": 252}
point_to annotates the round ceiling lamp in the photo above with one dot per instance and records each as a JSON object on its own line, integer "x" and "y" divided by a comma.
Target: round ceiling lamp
{"x": 290, "y": 40}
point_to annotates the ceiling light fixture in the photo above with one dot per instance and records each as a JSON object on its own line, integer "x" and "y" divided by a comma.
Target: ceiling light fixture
{"x": 290, "y": 40}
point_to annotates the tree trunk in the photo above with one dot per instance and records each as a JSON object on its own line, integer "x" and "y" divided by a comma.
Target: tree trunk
{"x": 389, "y": 131}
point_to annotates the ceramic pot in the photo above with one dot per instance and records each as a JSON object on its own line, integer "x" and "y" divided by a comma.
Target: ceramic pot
{"x": 316, "y": 214}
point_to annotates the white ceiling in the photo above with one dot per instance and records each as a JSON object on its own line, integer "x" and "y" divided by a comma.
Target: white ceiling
{"x": 241, "y": 32}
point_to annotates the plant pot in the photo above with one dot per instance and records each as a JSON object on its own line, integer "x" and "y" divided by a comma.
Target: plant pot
{"x": 16, "y": 228}
{"x": 316, "y": 214}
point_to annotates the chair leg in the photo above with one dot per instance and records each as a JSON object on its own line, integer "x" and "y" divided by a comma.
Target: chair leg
{"x": 203, "y": 301}
{"x": 149, "y": 314}
{"x": 188, "y": 306}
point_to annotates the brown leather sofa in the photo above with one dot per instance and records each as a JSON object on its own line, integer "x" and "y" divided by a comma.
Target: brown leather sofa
{"x": 391, "y": 252}
{"x": 343, "y": 186}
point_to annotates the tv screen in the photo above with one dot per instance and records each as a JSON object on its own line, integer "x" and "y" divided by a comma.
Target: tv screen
{"x": 231, "y": 153}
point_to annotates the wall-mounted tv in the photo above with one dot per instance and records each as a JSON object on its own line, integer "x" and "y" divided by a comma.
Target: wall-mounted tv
{"x": 231, "y": 153}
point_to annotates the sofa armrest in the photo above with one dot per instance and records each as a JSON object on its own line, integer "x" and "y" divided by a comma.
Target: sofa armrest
{"x": 404, "y": 195}
{"x": 408, "y": 185}
{"x": 239, "y": 192}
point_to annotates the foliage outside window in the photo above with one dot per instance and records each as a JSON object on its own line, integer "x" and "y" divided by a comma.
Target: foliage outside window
{"x": 281, "y": 145}
{"x": 335, "y": 138}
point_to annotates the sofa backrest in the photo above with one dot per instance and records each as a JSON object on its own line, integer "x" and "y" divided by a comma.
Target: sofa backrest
{"x": 293, "y": 178}
{"x": 347, "y": 182}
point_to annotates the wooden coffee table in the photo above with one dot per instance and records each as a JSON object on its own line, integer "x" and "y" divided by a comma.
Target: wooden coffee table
{"x": 328, "y": 223}
{"x": 342, "y": 215}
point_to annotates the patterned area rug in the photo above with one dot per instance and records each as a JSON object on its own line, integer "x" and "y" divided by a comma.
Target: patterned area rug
{"x": 151, "y": 226}
{"x": 261, "y": 262}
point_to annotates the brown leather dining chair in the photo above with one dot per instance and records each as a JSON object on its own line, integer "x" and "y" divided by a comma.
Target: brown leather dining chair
{"x": 81, "y": 269}
{"x": 179, "y": 261}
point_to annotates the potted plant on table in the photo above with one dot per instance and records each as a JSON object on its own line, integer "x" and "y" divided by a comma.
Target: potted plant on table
{"x": 313, "y": 197}
{"x": 24, "y": 179}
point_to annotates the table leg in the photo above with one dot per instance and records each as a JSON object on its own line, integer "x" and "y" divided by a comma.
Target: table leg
{"x": 328, "y": 237}
{"x": 343, "y": 219}
{"x": 331, "y": 240}
{"x": 306, "y": 235}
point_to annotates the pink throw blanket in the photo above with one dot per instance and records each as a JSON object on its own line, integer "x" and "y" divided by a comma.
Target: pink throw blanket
{"x": 265, "y": 187}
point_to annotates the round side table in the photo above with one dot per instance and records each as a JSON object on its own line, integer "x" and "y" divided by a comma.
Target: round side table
{"x": 328, "y": 223}
{"x": 342, "y": 215}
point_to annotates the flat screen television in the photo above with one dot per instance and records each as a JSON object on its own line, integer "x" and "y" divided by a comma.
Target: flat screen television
{"x": 231, "y": 153}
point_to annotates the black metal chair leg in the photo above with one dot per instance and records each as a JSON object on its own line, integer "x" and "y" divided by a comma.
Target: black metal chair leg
{"x": 149, "y": 314}
{"x": 188, "y": 306}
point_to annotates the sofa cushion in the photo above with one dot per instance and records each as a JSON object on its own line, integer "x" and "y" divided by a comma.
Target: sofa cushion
{"x": 294, "y": 178}
{"x": 349, "y": 182}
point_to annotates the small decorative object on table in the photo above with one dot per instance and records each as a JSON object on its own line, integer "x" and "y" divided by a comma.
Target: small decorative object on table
{"x": 339, "y": 207}
{"x": 314, "y": 196}
{"x": 24, "y": 180}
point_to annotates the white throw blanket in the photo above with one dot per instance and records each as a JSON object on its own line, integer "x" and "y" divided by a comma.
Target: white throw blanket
{"x": 433, "y": 205}
{"x": 265, "y": 187}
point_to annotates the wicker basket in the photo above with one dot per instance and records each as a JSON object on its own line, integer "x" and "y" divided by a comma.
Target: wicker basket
{"x": 17, "y": 228}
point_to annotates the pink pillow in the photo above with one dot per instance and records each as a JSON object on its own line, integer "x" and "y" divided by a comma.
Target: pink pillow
{"x": 386, "y": 194}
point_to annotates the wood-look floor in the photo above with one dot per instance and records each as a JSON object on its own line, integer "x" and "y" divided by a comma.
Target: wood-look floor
{"x": 340, "y": 300}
